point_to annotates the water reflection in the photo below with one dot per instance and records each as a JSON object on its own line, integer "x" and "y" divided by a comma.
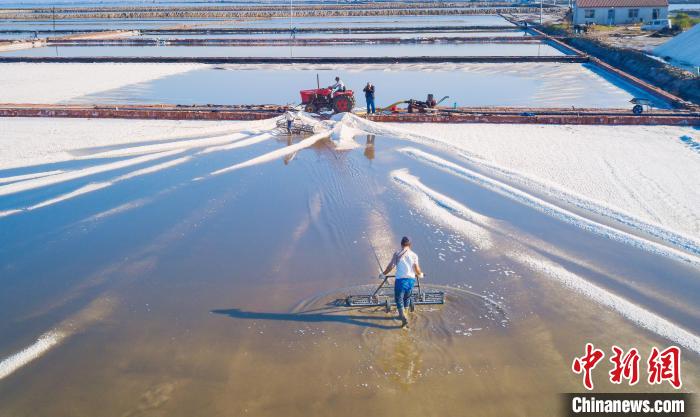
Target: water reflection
{"x": 369, "y": 147}
{"x": 291, "y": 156}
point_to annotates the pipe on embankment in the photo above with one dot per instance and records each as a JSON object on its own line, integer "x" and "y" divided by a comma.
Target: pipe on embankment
{"x": 296, "y": 60}
{"x": 150, "y": 112}
{"x": 545, "y": 117}
{"x": 293, "y": 42}
{"x": 340, "y": 30}
{"x": 254, "y": 31}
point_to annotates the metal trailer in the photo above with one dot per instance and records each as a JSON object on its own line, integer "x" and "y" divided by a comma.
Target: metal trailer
{"x": 640, "y": 104}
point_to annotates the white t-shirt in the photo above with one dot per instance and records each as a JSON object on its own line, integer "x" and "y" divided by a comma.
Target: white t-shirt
{"x": 405, "y": 264}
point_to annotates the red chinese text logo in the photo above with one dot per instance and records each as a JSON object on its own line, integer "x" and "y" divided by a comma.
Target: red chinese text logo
{"x": 625, "y": 366}
{"x": 665, "y": 366}
{"x": 662, "y": 365}
{"x": 586, "y": 363}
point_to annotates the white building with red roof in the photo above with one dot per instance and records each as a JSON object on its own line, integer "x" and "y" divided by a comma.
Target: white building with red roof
{"x": 619, "y": 12}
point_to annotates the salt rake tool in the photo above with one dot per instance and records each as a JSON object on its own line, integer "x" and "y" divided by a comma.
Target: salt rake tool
{"x": 383, "y": 296}
{"x": 298, "y": 127}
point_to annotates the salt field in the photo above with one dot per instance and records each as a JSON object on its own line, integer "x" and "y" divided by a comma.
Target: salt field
{"x": 166, "y": 294}
{"x": 299, "y": 22}
{"x": 363, "y": 34}
{"x": 494, "y": 49}
{"x": 381, "y": 21}
{"x": 540, "y": 84}
{"x": 106, "y": 24}
{"x": 408, "y": 34}
{"x": 522, "y": 84}
{"x": 162, "y": 265}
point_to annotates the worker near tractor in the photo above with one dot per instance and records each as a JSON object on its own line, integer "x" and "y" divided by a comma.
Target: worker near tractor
{"x": 289, "y": 117}
{"x": 338, "y": 86}
{"x": 369, "y": 98}
{"x": 335, "y": 98}
{"x": 407, "y": 270}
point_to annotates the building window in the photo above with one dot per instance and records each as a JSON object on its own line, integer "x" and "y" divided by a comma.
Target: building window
{"x": 589, "y": 13}
{"x": 655, "y": 14}
{"x": 633, "y": 13}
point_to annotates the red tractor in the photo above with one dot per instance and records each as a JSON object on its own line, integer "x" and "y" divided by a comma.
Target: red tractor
{"x": 320, "y": 99}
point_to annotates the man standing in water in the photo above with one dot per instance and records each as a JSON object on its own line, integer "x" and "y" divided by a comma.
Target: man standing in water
{"x": 407, "y": 269}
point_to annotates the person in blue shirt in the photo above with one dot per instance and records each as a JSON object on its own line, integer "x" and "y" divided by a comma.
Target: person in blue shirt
{"x": 369, "y": 98}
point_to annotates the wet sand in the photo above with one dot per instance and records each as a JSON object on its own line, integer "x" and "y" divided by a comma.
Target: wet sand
{"x": 216, "y": 296}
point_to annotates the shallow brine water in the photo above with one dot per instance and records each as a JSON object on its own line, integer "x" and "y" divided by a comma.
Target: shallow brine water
{"x": 524, "y": 85}
{"x": 175, "y": 291}
{"x": 382, "y": 21}
{"x": 106, "y": 24}
{"x": 408, "y": 34}
{"x": 301, "y": 22}
{"x": 374, "y": 50}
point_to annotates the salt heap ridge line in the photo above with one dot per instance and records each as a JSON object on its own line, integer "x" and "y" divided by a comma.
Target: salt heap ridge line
{"x": 444, "y": 210}
{"x": 658, "y": 231}
{"x": 554, "y": 210}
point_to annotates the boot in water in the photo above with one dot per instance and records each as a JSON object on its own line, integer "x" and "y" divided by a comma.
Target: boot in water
{"x": 404, "y": 320}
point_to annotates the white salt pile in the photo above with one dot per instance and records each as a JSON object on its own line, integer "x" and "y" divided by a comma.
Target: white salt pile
{"x": 684, "y": 48}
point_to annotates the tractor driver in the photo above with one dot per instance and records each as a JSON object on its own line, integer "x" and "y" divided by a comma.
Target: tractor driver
{"x": 338, "y": 86}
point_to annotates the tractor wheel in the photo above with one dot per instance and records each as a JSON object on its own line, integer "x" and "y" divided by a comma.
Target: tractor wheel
{"x": 342, "y": 104}
{"x": 637, "y": 109}
{"x": 310, "y": 108}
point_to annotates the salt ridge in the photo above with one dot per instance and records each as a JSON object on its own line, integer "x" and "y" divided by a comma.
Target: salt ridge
{"x": 461, "y": 218}
{"x": 551, "y": 209}
{"x": 442, "y": 209}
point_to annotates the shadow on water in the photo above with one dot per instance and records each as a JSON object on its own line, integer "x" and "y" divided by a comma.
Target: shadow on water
{"x": 319, "y": 317}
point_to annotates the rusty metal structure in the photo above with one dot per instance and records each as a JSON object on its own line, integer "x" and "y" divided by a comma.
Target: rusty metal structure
{"x": 296, "y": 60}
{"x": 441, "y": 115}
{"x": 140, "y": 41}
{"x": 154, "y": 111}
{"x": 185, "y": 31}
{"x": 571, "y": 116}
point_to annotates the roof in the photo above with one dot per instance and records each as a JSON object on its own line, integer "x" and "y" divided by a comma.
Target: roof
{"x": 591, "y": 4}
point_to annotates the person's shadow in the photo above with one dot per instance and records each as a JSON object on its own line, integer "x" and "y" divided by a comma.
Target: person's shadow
{"x": 314, "y": 316}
